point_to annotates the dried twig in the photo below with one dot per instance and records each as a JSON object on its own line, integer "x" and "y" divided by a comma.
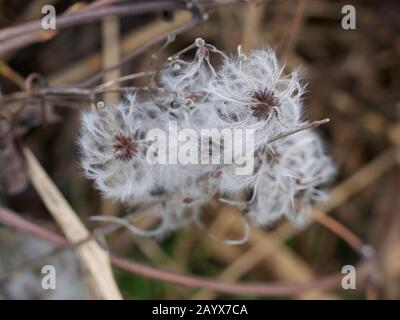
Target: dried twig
{"x": 90, "y": 253}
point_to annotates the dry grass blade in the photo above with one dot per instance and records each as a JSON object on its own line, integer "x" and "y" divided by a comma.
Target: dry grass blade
{"x": 91, "y": 255}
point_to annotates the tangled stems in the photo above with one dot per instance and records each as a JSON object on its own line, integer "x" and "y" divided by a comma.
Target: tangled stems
{"x": 11, "y": 37}
{"x": 17, "y": 37}
{"x": 257, "y": 289}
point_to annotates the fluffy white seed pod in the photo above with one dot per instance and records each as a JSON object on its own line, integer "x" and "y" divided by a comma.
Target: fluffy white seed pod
{"x": 231, "y": 183}
{"x": 255, "y": 93}
{"x": 287, "y": 175}
{"x": 113, "y": 151}
{"x": 186, "y": 85}
{"x": 187, "y": 80}
{"x": 298, "y": 172}
{"x": 173, "y": 211}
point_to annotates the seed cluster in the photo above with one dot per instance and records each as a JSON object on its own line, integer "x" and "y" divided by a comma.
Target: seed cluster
{"x": 253, "y": 92}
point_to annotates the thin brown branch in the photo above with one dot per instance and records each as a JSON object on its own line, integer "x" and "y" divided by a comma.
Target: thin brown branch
{"x": 19, "y": 36}
{"x": 340, "y": 230}
{"x": 86, "y": 16}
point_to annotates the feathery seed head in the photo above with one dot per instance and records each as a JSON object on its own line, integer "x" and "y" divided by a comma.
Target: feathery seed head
{"x": 290, "y": 167}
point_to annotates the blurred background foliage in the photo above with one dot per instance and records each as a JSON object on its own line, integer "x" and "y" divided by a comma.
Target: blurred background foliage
{"x": 353, "y": 78}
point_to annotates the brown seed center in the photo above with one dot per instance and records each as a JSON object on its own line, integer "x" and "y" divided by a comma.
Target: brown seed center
{"x": 266, "y": 100}
{"x": 125, "y": 148}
